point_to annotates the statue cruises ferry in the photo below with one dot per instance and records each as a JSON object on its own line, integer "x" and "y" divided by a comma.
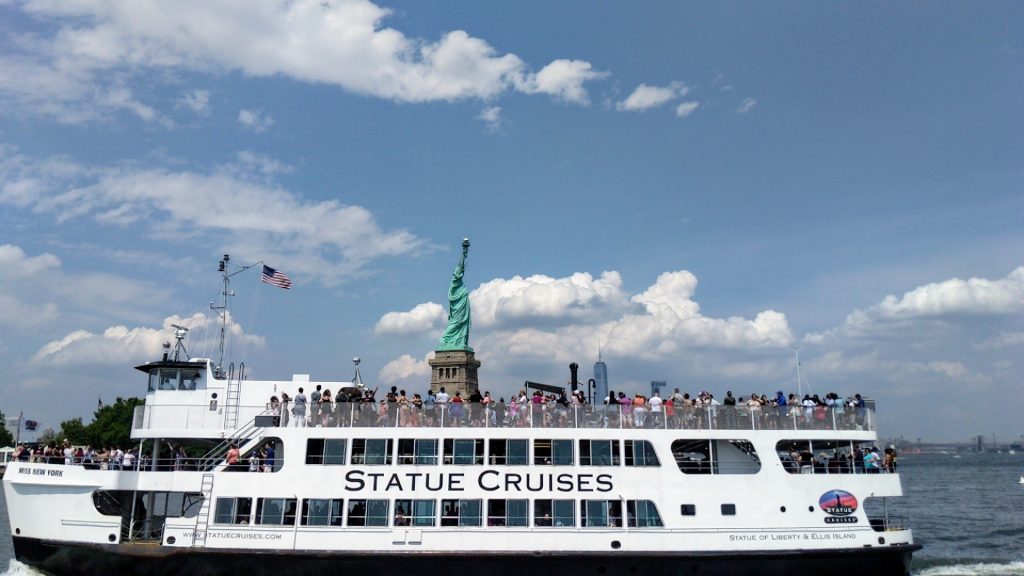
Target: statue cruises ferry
{"x": 577, "y": 489}
{"x": 224, "y": 480}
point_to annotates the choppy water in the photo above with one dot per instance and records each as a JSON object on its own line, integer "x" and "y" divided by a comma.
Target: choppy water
{"x": 968, "y": 512}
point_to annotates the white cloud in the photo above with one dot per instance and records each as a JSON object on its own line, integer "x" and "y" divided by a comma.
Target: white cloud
{"x": 423, "y": 318}
{"x": 579, "y": 297}
{"x": 686, "y": 108}
{"x": 405, "y": 369}
{"x": 1003, "y": 340}
{"x": 15, "y": 263}
{"x": 563, "y": 80}
{"x": 197, "y": 101}
{"x": 325, "y": 240}
{"x": 937, "y": 300}
{"x": 343, "y": 43}
{"x": 255, "y": 120}
{"x": 118, "y": 345}
{"x": 746, "y": 106}
{"x": 645, "y": 97}
{"x": 491, "y": 117}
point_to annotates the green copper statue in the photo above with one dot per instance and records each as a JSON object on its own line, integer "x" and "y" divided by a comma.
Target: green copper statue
{"x": 456, "y": 335}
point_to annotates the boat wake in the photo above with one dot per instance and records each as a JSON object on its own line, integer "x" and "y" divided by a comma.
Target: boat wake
{"x": 15, "y": 568}
{"x": 978, "y": 569}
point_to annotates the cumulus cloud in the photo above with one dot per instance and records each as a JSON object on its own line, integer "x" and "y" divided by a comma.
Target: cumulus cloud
{"x": 405, "y": 369}
{"x": 341, "y": 43}
{"x": 197, "y": 101}
{"x": 118, "y": 345}
{"x": 746, "y": 106}
{"x": 686, "y": 108}
{"x": 423, "y": 318}
{"x": 326, "y": 240}
{"x": 937, "y": 300}
{"x": 254, "y": 120}
{"x": 645, "y": 97}
{"x": 491, "y": 117}
{"x": 560, "y": 319}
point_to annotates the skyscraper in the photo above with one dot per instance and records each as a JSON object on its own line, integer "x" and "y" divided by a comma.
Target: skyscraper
{"x": 600, "y": 379}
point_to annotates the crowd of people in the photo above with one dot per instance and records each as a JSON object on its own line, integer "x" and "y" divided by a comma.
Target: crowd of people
{"x": 112, "y": 458}
{"x": 355, "y": 407}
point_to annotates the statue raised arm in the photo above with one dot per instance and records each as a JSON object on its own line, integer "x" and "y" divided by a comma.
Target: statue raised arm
{"x": 456, "y": 335}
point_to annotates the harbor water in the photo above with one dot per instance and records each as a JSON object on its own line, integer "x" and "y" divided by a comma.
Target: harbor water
{"x": 967, "y": 510}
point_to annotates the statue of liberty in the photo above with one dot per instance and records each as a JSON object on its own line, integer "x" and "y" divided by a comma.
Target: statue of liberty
{"x": 456, "y": 335}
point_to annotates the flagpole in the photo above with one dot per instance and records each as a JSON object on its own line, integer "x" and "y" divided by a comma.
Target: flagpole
{"x": 17, "y": 435}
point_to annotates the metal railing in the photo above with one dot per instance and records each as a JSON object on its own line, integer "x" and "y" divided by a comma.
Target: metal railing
{"x": 547, "y": 415}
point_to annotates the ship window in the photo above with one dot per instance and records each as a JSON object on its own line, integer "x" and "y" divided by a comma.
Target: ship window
{"x": 329, "y": 451}
{"x": 461, "y": 512}
{"x": 822, "y": 456}
{"x": 511, "y": 452}
{"x": 371, "y": 451}
{"x": 556, "y": 452}
{"x": 643, "y": 514}
{"x": 716, "y": 457}
{"x": 640, "y": 453}
{"x": 276, "y": 511}
{"x": 368, "y": 512}
{"x": 599, "y": 452}
{"x": 189, "y": 379}
{"x": 169, "y": 378}
{"x": 558, "y": 513}
{"x": 728, "y": 509}
{"x": 322, "y": 512}
{"x": 688, "y": 509}
{"x": 415, "y": 512}
{"x": 464, "y": 451}
{"x": 232, "y": 511}
{"x": 417, "y": 451}
{"x": 601, "y": 513}
{"x": 507, "y": 513}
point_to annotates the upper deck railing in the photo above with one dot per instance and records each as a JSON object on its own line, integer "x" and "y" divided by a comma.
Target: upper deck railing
{"x": 547, "y": 415}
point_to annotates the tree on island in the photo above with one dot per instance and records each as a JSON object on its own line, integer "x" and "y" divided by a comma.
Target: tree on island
{"x": 6, "y": 438}
{"x": 112, "y": 424}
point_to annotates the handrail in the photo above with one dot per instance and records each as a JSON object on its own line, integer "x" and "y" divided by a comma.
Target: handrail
{"x": 548, "y": 415}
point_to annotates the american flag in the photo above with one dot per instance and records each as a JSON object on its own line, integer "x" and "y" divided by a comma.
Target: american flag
{"x": 271, "y": 276}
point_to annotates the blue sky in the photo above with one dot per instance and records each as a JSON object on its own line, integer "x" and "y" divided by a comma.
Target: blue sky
{"x": 698, "y": 188}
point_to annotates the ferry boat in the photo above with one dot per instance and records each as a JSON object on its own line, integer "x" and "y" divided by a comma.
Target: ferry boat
{"x": 226, "y": 482}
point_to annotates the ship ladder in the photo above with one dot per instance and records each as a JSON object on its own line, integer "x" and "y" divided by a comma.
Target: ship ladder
{"x": 233, "y": 393}
{"x": 203, "y": 518}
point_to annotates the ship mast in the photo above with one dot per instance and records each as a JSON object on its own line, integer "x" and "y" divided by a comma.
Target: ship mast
{"x": 222, "y": 309}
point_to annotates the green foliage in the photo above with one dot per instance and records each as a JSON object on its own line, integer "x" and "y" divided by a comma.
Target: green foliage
{"x": 6, "y": 437}
{"x": 74, "y": 431}
{"x": 112, "y": 424}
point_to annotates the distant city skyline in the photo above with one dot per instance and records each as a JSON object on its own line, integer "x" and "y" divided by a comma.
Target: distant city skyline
{"x": 694, "y": 188}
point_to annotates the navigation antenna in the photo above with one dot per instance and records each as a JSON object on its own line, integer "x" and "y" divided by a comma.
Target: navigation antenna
{"x": 180, "y": 334}
{"x": 799, "y": 378}
{"x": 357, "y": 380}
{"x": 222, "y": 309}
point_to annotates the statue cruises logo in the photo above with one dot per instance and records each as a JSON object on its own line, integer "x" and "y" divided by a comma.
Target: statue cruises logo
{"x": 840, "y": 506}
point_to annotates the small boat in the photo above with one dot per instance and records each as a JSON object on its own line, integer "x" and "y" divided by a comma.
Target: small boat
{"x": 1021, "y": 481}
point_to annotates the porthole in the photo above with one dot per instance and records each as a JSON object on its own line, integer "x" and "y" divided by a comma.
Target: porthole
{"x": 17, "y": 530}
{"x": 881, "y": 540}
{"x": 810, "y": 508}
{"x": 782, "y": 509}
{"x": 112, "y": 537}
{"x": 616, "y": 545}
{"x": 171, "y": 539}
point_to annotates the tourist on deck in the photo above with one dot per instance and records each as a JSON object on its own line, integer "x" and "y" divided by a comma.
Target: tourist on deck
{"x": 314, "y": 405}
{"x": 299, "y": 410}
{"x": 654, "y": 407}
{"x": 232, "y": 458}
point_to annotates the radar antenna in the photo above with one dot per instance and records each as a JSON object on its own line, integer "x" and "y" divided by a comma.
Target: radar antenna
{"x": 180, "y": 335}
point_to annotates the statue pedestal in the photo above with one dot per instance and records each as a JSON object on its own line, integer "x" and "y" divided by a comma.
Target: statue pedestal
{"x": 455, "y": 370}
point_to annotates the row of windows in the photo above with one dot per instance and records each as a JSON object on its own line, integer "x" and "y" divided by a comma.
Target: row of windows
{"x": 471, "y": 451}
{"x": 424, "y": 512}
